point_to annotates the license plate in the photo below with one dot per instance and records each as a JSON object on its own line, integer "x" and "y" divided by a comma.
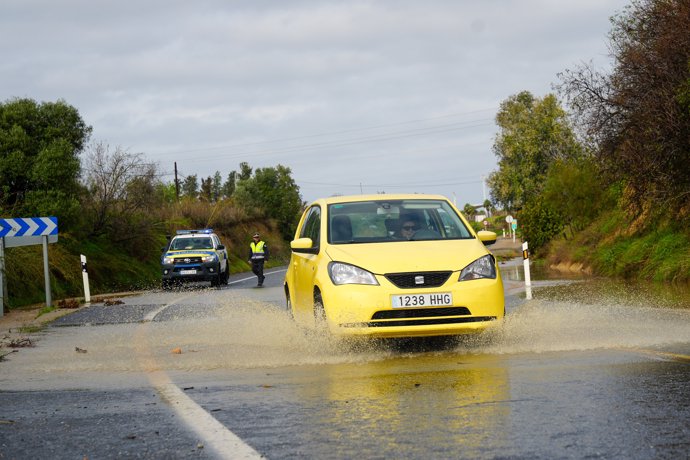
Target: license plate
{"x": 187, "y": 272}
{"x": 422, "y": 300}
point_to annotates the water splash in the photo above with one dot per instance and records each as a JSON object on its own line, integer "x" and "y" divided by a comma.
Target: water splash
{"x": 236, "y": 334}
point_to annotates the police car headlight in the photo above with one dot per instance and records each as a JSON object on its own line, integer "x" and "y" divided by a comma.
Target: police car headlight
{"x": 168, "y": 260}
{"x": 209, "y": 258}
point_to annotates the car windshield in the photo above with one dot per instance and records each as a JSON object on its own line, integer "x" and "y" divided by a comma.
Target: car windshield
{"x": 394, "y": 220}
{"x": 192, "y": 243}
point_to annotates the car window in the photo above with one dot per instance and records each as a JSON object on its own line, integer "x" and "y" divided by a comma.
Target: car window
{"x": 312, "y": 225}
{"x": 192, "y": 243}
{"x": 394, "y": 220}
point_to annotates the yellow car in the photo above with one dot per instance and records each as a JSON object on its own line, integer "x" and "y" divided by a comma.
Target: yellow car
{"x": 392, "y": 266}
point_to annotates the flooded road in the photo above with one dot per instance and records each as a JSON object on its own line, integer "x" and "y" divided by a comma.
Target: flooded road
{"x": 584, "y": 369}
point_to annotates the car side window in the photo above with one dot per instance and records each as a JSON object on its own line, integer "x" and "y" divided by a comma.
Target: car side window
{"x": 312, "y": 226}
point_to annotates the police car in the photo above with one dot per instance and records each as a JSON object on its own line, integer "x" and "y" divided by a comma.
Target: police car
{"x": 195, "y": 255}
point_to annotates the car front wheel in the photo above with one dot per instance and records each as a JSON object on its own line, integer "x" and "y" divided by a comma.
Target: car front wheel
{"x": 215, "y": 281}
{"x": 288, "y": 305}
{"x": 319, "y": 312}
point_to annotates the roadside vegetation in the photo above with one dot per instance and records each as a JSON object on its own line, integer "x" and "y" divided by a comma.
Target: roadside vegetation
{"x": 113, "y": 207}
{"x": 607, "y": 184}
{"x": 597, "y": 174}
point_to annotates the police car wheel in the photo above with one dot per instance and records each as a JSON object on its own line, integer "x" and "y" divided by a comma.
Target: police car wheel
{"x": 217, "y": 278}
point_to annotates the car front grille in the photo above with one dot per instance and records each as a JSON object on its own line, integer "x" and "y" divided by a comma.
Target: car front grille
{"x": 421, "y": 317}
{"x": 421, "y": 313}
{"x": 186, "y": 260}
{"x": 418, "y": 279}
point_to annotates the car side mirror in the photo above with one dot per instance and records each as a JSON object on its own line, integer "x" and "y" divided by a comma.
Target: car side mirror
{"x": 221, "y": 247}
{"x": 486, "y": 237}
{"x": 305, "y": 245}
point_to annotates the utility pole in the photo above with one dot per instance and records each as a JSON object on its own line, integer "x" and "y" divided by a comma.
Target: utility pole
{"x": 177, "y": 185}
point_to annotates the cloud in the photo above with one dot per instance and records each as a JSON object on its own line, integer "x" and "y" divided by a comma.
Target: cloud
{"x": 379, "y": 93}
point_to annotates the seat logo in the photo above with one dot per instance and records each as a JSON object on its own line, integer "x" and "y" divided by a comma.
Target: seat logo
{"x": 419, "y": 279}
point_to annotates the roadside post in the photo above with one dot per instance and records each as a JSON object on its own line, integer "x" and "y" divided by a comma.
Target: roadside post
{"x": 85, "y": 276}
{"x": 26, "y": 231}
{"x": 513, "y": 226}
{"x": 3, "y": 280}
{"x": 525, "y": 261}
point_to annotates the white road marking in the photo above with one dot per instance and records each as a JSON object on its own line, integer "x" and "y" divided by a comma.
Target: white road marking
{"x": 152, "y": 314}
{"x": 282, "y": 270}
{"x": 213, "y": 434}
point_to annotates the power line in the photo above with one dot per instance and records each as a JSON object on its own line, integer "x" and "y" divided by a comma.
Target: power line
{"x": 309, "y": 136}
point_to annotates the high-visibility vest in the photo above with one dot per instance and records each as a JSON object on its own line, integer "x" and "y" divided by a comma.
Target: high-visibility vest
{"x": 258, "y": 250}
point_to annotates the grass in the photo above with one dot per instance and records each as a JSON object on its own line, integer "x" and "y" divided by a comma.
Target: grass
{"x": 660, "y": 253}
{"x": 32, "y": 329}
{"x": 110, "y": 267}
{"x": 45, "y": 311}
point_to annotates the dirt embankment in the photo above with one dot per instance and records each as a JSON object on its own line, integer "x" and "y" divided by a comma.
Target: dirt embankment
{"x": 570, "y": 267}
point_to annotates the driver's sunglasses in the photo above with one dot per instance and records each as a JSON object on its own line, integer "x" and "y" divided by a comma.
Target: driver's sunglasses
{"x": 408, "y": 227}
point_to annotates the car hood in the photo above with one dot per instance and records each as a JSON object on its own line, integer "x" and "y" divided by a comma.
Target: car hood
{"x": 409, "y": 256}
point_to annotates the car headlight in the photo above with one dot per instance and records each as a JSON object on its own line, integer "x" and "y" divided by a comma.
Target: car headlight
{"x": 341, "y": 273}
{"x": 484, "y": 267}
{"x": 167, "y": 260}
{"x": 209, "y": 258}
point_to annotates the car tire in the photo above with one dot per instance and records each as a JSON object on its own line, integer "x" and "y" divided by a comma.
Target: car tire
{"x": 319, "y": 312}
{"x": 216, "y": 279}
{"x": 288, "y": 304}
{"x": 226, "y": 274}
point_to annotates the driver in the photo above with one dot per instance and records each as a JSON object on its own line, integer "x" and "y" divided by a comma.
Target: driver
{"x": 409, "y": 227}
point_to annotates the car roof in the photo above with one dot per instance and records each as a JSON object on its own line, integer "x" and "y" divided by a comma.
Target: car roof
{"x": 379, "y": 196}
{"x": 193, "y": 235}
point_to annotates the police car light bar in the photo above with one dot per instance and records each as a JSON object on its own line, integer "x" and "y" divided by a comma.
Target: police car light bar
{"x": 207, "y": 231}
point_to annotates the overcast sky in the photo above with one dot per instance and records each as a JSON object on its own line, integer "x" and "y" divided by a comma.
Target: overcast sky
{"x": 354, "y": 96}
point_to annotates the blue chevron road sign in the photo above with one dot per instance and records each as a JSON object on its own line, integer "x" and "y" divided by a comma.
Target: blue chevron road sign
{"x": 24, "y": 231}
{"x": 29, "y": 226}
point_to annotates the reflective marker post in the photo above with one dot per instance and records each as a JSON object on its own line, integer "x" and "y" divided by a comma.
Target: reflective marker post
{"x": 528, "y": 281}
{"x": 85, "y": 276}
{"x": 3, "y": 283}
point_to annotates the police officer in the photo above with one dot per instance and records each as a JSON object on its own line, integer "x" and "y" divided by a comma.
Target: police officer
{"x": 258, "y": 254}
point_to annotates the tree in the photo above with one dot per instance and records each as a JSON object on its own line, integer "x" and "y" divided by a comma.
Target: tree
{"x": 576, "y": 190}
{"x": 469, "y": 211}
{"x": 540, "y": 222}
{"x": 206, "y": 192}
{"x": 190, "y": 186}
{"x": 39, "y": 159}
{"x": 245, "y": 171}
{"x": 638, "y": 117}
{"x": 121, "y": 186}
{"x": 488, "y": 207}
{"x": 229, "y": 186}
{"x": 217, "y": 187}
{"x": 533, "y": 133}
{"x": 273, "y": 192}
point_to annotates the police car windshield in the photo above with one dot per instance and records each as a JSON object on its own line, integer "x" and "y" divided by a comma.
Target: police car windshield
{"x": 192, "y": 243}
